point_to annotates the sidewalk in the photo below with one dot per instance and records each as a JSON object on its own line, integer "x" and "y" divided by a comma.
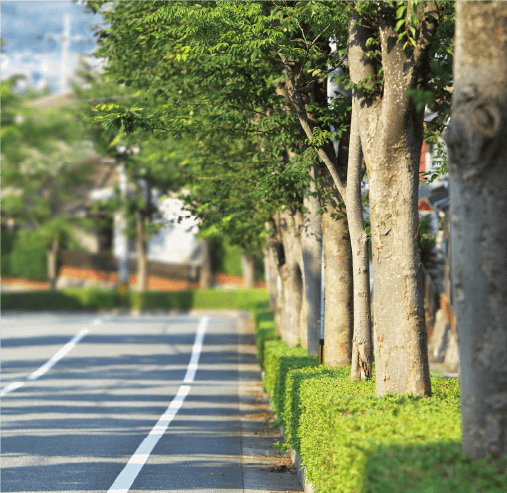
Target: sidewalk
{"x": 265, "y": 470}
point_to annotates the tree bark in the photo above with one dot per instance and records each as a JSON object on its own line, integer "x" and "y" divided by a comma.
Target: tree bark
{"x": 476, "y": 140}
{"x": 361, "y": 343}
{"x": 277, "y": 260}
{"x": 205, "y": 276}
{"x": 391, "y": 137}
{"x": 142, "y": 265}
{"x": 291, "y": 276}
{"x": 53, "y": 264}
{"x": 338, "y": 313}
{"x": 248, "y": 267}
{"x": 311, "y": 245}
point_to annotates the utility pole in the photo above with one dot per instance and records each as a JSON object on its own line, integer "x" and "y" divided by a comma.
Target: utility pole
{"x": 64, "y": 76}
{"x": 121, "y": 240}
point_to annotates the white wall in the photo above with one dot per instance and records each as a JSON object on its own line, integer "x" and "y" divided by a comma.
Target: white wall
{"x": 174, "y": 243}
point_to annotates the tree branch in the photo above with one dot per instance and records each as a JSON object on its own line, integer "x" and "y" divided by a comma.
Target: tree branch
{"x": 297, "y": 102}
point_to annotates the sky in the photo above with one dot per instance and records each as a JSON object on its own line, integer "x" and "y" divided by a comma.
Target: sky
{"x": 32, "y": 32}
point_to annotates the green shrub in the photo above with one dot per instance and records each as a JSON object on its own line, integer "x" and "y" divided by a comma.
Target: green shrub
{"x": 22, "y": 257}
{"x": 279, "y": 360}
{"x": 103, "y": 299}
{"x": 351, "y": 441}
{"x": 427, "y": 239}
{"x": 228, "y": 259}
{"x": 266, "y": 330}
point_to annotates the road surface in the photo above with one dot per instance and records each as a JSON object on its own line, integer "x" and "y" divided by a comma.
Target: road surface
{"x": 116, "y": 403}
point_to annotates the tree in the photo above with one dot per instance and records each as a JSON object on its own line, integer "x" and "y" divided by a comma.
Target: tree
{"x": 148, "y": 162}
{"x": 390, "y": 49}
{"x": 199, "y": 111}
{"x": 45, "y": 165}
{"x": 478, "y": 178}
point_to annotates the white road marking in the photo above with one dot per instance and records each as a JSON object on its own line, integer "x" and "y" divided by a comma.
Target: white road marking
{"x": 49, "y": 364}
{"x": 59, "y": 355}
{"x": 12, "y": 386}
{"x": 196, "y": 351}
{"x": 127, "y": 477}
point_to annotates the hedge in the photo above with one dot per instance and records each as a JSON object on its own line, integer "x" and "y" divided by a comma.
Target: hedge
{"x": 103, "y": 299}
{"x": 351, "y": 441}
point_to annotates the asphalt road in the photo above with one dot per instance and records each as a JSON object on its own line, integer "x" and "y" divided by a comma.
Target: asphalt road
{"x": 99, "y": 403}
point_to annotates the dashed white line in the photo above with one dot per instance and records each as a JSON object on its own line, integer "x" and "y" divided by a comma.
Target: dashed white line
{"x": 12, "y": 386}
{"x": 127, "y": 477}
{"x": 59, "y": 355}
{"x": 49, "y": 364}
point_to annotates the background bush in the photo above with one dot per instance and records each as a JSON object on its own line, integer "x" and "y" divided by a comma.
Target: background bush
{"x": 23, "y": 258}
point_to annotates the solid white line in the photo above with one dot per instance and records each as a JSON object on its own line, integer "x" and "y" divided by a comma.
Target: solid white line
{"x": 59, "y": 355}
{"x": 127, "y": 477}
{"x": 12, "y": 386}
{"x": 196, "y": 351}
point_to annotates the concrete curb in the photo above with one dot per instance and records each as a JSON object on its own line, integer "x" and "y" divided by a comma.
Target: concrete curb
{"x": 301, "y": 471}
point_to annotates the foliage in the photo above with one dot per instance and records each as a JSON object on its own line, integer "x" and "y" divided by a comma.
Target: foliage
{"x": 22, "y": 257}
{"x": 279, "y": 360}
{"x": 349, "y": 440}
{"x": 427, "y": 238}
{"x": 265, "y": 329}
{"x": 221, "y": 86}
{"x": 45, "y": 165}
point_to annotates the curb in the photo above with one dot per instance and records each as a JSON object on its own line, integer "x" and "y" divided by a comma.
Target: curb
{"x": 258, "y": 458}
{"x": 301, "y": 471}
{"x": 296, "y": 462}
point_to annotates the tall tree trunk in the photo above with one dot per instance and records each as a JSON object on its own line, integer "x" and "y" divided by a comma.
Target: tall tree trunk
{"x": 270, "y": 276}
{"x": 142, "y": 261}
{"x": 53, "y": 264}
{"x": 291, "y": 276}
{"x": 248, "y": 267}
{"x": 205, "y": 275}
{"x": 338, "y": 313}
{"x": 476, "y": 140}
{"x": 311, "y": 246}
{"x": 277, "y": 260}
{"x": 362, "y": 343}
{"x": 391, "y": 137}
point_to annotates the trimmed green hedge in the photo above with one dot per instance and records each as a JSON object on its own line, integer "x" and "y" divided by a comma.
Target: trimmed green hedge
{"x": 266, "y": 329}
{"x": 350, "y": 441}
{"x": 102, "y": 299}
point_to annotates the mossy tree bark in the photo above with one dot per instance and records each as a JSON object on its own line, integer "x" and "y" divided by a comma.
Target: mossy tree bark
{"x": 476, "y": 140}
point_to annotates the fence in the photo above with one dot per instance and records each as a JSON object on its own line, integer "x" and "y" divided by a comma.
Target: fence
{"x": 105, "y": 262}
